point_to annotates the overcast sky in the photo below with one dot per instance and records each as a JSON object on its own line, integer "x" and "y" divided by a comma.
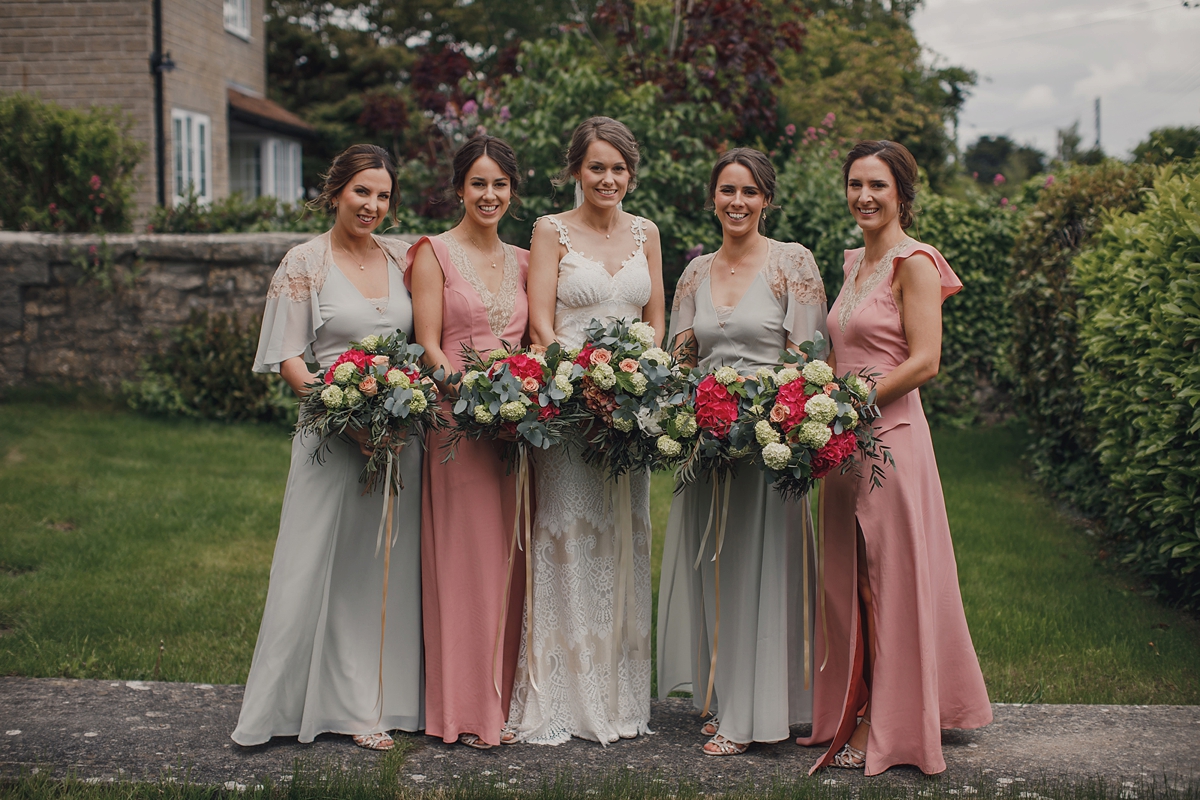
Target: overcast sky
{"x": 1042, "y": 63}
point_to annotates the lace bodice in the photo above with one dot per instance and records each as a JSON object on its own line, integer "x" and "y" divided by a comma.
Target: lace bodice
{"x": 587, "y": 291}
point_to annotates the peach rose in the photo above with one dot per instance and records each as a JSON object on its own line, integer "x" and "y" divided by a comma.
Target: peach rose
{"x": 829, "y": 388}
{"x": 628, "y": 365}
{"x": 369, "y": 386}
{"x": 741, "y": 378}
{"x": 379, "y": 361}
{"x": 529, "y": 385}
{"x": 601, "y": 356}
{"x": 779, "y": 413}
{"x": 540, "y": 349}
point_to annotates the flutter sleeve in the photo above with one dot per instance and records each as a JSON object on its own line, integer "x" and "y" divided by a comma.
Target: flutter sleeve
{"x": 950, "y": 281}
{"x": 795, "y": 279}
{"x": 683, "y": 308}
{"x": 293, "y": 312}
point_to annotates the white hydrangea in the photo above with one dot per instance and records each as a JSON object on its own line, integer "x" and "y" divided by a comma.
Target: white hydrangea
{"x": 573, "y": 353}
{"x": 651, "y": 423}
{"x": 482, "y": 415}
{"x": 757, "y": 410}
{"x": 623, "y": 424}
{"x": 333, "y": 397}
{"x": 603, "y": 376}
{"x": 818, "y": 372}
{"x": 639, "y": 383}
{"x": 470, "y": 378}
{"x": 564, "y": 369}
{"x": 764, "y": 376}
{"x": 850, "y": 420}
{"x": 776, "y": 455}
{"x": 656, "y": 355}
{"x": 643, "y": 332}
{"x": 821, "y": 408}
{"x": 344, "y": 372}
{"x": 813, "y": 434}
{"x": 512, "y": 411}
{"x": 397, "y": 379}
{"x": 538, "y": 357}
{"x": 765, "y": 433}
{"x": 857, "y": 386}
{"x": 669, "y": 447}
{"x": 787, "y": 375}
{"x": 371, "y": 342}
{"x": 726, "y": 375}
{"x": 564, "y": 385}
{"x": 419, "y": 401}
{"x": 353, "y": 396}
{"x": 686, "y": 424}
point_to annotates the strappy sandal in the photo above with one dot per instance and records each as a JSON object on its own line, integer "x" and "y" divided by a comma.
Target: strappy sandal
{"x": 374, "y": 741}
{"x": 851, "y": 757}
{"x": 471, "y": 740}
{"x": 724, "y": 747}
{"x": 508, "y": 735}
{"x": 711, "y": 727}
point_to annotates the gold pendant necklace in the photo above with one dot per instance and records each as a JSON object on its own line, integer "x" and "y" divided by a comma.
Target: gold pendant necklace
{"x": 491, "y": 256}
{"x": 733, "y": 267}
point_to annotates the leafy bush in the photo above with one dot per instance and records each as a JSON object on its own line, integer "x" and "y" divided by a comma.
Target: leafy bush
{"x": 65, "y": 169}
{"x": 237, "y": 214}
{"x": 1139, "y": 374}
{"x": 976, "y": 237}
{"x": 204, "y": 371}
{"x": 1066, "y": 212}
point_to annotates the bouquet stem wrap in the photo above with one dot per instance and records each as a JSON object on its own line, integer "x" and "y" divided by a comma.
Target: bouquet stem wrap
{"x": 620, "y": 499}
{"x": 523, "y": 513}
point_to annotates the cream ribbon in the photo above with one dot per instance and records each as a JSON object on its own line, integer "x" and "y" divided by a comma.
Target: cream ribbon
{"x": 819, "y": 546}
{"x": 619, "y": 497}
{"x": 718, "y": 511}
{"x": 523, "y": 512}
{"x": 387, "y": 519}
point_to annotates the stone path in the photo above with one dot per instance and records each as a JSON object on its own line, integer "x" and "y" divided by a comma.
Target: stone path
{"x": 145, "y": 731}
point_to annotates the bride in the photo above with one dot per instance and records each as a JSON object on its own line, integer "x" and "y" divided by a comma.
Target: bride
{"x": 584, "y": 678}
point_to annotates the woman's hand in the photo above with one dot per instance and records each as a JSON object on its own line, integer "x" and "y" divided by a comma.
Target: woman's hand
{"x": 921, "y": 300}
{"x": 361, "y": 437}
{"x": 295, "y": 372}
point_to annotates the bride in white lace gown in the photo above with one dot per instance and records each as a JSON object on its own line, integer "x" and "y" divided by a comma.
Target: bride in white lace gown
{"x": 584, "y": 678}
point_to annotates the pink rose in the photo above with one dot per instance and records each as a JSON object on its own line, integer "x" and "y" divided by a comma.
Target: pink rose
{"x": 94, "y": 182}
{"x": 369, "y": 386}
{"x": 530, "y": 385}
{"x": 379, "y": 361}
{"x": 601, "y": 356}
{"x": 829, "y": 388}
{"x": 628, "y": 365}
{"x": 779, "y": 413}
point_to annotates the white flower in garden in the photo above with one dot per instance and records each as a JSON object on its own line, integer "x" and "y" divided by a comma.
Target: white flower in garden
{"x": 332, "y": 397}
{"x": 821, "y": 408}
{"x": 603, "y": 376}
{"x": 643, "y": 333}
{"x": 669, "y": 447}
{"x": 818, "y": 372}
{"x": 726, "y": 375}
{"x": 623, "y": 424}
{"x": 850, "y": 420}
{"x": 857, "y": 387}
{"x": 419, "y": 401}
{"x": 787, "y": 375}
{"x": 656, "y": 355}
{"x": 512, "y": 411}
{"x": 686, "y": 424}
{"x": 639, "y": 383}
{"x": 765, "y": 433}
{"x": 564, "y": 385}
{"x": 353, "y": 396}
{"x": 776, "y": 455}
{"x": 371, "y": 343}
{"x": 482, "y": 415}
{"x": 397, "y": 379}
{"x": 813, "y": 434}
{"x": 344, "y": 372}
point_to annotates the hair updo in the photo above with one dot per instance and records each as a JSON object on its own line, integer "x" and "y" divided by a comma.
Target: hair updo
{"x": 348, "y": 163}
{"x": 761, "y": 170}
{"x": 602, "y": 129}
{"x": 494, "y": 148}
{"x": 902, "y": 165}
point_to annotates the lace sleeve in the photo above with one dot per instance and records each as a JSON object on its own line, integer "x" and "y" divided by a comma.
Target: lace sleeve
{"x": 395, "y": 247}
{"x": 794, "y": 279}
{"x": 683, "y": 308}
{"x": 292, "y": 313}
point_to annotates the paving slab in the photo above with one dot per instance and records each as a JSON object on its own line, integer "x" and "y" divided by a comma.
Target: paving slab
{"x": 133, "y": 730}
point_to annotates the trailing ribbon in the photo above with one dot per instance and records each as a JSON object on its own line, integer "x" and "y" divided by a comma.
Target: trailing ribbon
{"x": 387, "y": 519}
{"x": 620, "y": 499}
{"x": 819, "y": 542}
{"x": 805, "y": 510}
{"x": 523, "y": 512}
{"x": 718, "y": 511}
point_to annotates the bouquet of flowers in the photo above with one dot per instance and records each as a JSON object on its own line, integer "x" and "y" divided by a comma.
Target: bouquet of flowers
{"x": 808, "y": 422}
{"x": 627, "y": 387}
{"x": 711, "y": 429}
{"x": 380, "y": 386}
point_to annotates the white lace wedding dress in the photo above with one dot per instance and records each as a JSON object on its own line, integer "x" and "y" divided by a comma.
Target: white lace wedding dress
{"x": 584, "y": 678}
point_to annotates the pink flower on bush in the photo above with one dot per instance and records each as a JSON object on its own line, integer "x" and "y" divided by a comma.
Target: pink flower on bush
{"x": 1049, "y": 182}
{"x": 98, "y": 210}
{"x": 54, "y": 208}
{"x": 505, "y": 114}
{"x": 94, "y": 183}
{"x": 830, "y": 118}
{"x": 810, "y": 132}
{"x": 999, "y": 179}
{"x": 1003, "y": 202}
{"x": 469, "y": 108}
{"x": 628, "y": 365}
{"x": 790, "y": 130}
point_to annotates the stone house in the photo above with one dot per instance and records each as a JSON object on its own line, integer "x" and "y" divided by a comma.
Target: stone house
{"x": 191, "y": 73}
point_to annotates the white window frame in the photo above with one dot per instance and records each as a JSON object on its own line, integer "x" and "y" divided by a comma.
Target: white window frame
{"x": 237, "y": 18}
{"x": 192, "y": 165}
{"x": 280, "y": 167}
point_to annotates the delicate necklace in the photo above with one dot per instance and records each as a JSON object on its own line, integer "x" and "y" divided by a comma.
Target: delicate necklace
{"x": 491, "y": 256}
{"x": 362, "y": 265}
{"x": 733, "y": 268}
{"x": 607, "y": 234}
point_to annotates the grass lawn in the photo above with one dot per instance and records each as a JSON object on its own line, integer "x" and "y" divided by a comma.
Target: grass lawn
{"x": 121, "y": 532}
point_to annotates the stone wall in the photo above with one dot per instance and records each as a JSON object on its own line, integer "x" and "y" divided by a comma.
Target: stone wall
{"x": 55, "y": 325}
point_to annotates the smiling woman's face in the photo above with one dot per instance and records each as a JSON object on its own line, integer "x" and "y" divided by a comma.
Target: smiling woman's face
{"x": 486, "y": 192}
{"x": 604, "y": 177}
{"x": 871, "y": 194}
{"x": 363, "y": 202}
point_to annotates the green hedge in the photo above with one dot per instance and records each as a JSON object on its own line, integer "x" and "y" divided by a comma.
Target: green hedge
{"x": 65, "y": 169}
{"x": 1139, "y": 375}
{"x": 1043, "y": 294}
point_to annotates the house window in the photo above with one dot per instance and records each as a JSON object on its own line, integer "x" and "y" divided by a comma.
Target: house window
{"x": 245, "y": 167}
{"x": 268, "y": 166}
{"x": 193, "y": 155}
{"x": 237, "y": 17}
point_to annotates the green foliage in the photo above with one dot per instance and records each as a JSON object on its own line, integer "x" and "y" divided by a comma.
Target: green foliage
{"x": 65, "y": 169}
{"x": 1139, "y": 373}
{"x": 204, "y": 371}
{"x": 976, "y": 237}
{"x": 1067, "y": 211}
{"x": 989, "y": 157}
{"x": 1164, "y": 145}
{"x": 236, "y": 214}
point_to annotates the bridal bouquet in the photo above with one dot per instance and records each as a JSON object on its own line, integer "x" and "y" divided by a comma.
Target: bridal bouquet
{"x": 712, "y": 428}
{"x": 627, "y": 387}
{"x": 516, "y": 395}
{"x": 808, "y": 422}
{"x": 380, "y": 386}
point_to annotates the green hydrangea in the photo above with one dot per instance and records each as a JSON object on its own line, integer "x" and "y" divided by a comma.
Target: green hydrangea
{"x": 419, "y": 401}
{"x": 765, "y": 433}
{"x": 397, "y": 379}
{"x": 643, "y": 333}
{"x": 564, "y": 385}
{"x": 344, "y": 372}
{"x": 669, "y": 447}
{"x": 818, "y": 372}
{"x": 371, "y": 343}
{"x": 639, "y": 383}
{"x": 726, "y": 375}
{"x": 787, "y": 375}
{"x": 757, "y": 410}
{"x": 624, "y": 424}
{"x": 821, "y": 408}
{"x": 813, "y": 434}
{"x": 603, "y": 376}
{"x": 564, "y": 369}
{"x": 353, "y": 396}
{"x": 333, "y": 397}
{"x": 858, "y": 387}
{"x": 764, "y": 376}
{"x": 850, "y": 420}
{"x": 686, "y": 424}
{"x": 512, "y": 411}
{"x": 776, "y": 455}
{"x": 482, "y": 415}
{"x": 656, "y": 355}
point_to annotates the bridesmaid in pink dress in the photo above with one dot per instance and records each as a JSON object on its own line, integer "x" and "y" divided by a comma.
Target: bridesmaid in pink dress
{"x": 901, "y": 666}
{"x": 468, "y": 289}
